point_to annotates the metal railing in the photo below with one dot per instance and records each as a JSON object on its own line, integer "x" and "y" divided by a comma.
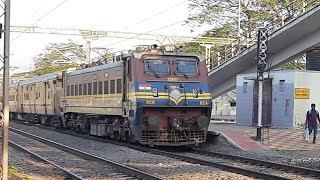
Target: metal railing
{"x": 222, "y": 54}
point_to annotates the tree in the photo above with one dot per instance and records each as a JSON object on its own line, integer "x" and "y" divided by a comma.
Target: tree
{"x": 58, "y": 56}
{"x": 254, "y": 13}
{"x": 222, "y": 17}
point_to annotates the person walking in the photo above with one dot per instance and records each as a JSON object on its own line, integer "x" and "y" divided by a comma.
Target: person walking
{"x": 311, "y": 121}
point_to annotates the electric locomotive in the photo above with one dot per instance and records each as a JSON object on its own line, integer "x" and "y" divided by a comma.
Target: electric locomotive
{"x": 168, "y": 99}
{"x": 151, "y": 95}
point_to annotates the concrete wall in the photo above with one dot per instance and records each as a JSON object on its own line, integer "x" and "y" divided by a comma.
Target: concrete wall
{"x": 282, "y": 99}
{"x": 221, "y": 106}
{"x": 311, "y": 80}
{"x": 287, "y": 112}
{"x": 244, "y": 89}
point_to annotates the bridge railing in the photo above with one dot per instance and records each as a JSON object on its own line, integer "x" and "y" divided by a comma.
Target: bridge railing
{"x": 222, "y": 54}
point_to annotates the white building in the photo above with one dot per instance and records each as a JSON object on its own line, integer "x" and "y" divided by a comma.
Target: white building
{"x": 287, "y": 97}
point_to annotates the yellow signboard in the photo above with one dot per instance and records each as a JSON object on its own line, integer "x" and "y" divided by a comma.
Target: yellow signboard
{"x": 302, "y": 93}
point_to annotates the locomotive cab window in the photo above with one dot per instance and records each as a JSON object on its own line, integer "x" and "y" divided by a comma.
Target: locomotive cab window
{"x": 156, "y": 67}
{"x": 186, "y": 67}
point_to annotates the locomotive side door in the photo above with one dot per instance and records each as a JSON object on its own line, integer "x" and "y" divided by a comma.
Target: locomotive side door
{"x": 126, "y": 78}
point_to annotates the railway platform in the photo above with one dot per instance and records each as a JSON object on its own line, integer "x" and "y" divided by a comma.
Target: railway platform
{"x": 275, "y": 139}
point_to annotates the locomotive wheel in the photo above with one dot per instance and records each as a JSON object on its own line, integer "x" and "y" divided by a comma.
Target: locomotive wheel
{"x": 117, "y": 136}
{"x": 125, "y": 137}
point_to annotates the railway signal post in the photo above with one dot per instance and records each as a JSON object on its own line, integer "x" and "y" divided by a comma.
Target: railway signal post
{"x": 5, "y": 100}
{"x": 261, "y": 66}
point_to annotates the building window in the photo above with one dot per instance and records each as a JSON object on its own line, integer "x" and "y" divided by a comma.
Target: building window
{"x": 68, "y": 90}
{"x": 72, "y": 90}
{"x": 118, "y": 85}
{"x": 106, "y": 75}
{"x": 119, "y": 73}
{"x": 89, "y": 88}
{"x": 80, "y": 89}
{"x": 95, "y": 90}
{"x": 281, "y": 85}
{"x": 85, "y": 89}
{"x": 100, "y": 87}
{"x": 84, "y": 78}
{"x": 76, "y": 90}
{"x": 95, "y": 77}
{"x": 112, "y": 86}
{"x": 245, "y": 87}
{"x": 106, "y": 87}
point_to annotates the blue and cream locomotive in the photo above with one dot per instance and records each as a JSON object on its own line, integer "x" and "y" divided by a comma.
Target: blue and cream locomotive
{"x": 152, "y": 95}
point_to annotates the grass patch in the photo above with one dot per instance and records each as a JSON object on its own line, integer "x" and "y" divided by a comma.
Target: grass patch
{"x": 14, "y": 170}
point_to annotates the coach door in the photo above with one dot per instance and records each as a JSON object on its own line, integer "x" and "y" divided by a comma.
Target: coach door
{"x": 126, "y": 78}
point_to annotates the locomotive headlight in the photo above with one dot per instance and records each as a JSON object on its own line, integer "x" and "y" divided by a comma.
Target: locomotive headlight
{"x": 195, "y": 92}
{"x": 155, "y": 92}
{"x": 169, "y": 48}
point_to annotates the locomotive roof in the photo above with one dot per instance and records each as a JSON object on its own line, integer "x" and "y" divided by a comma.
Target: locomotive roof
{"x": 96, "y": 68}
{"x": 45, "y": 77}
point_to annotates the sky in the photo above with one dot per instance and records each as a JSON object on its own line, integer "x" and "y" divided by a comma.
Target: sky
{"x": 117, "y": 15}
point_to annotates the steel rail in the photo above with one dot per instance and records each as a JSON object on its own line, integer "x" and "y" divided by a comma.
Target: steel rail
{"x": 275, "y": 165}
{"x": 67, "y": 174}
{"x": 125, "y": 169}
{"x": 229, "y": 168}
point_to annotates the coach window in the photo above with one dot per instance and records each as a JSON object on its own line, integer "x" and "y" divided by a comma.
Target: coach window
{"x": 89, "y": 88}
{"x": 80, "y": 89}
{"x": 68, "y": 90}
{"x": 95, "y": 90}
{"x": 85, "y": 89}
{"x": 26, "y": 96}
{"x": 37, "y": 95}
{"x": 76, "y": 90}
{"x": 72, "y": 90}
{"x": 112, "y": 86}
{"x": 106, "y": 87}
{"x": 100, "y": 87}
{"x": 118, "y": 85}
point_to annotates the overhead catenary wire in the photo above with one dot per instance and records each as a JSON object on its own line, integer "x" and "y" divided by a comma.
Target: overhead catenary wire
{"x": 179, "y": 22}
{"x": 157, "y": 14}
{"x": 42, "y": 17}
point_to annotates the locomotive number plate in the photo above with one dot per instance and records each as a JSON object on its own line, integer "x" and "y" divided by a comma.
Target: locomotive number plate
{"x": 171, "y": 79}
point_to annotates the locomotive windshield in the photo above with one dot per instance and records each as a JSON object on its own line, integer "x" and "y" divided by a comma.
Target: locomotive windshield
{"x": 157, "y": 66}
{"x": 186, "y": 67}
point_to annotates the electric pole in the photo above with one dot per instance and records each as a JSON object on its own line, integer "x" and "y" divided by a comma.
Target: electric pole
{"x": 5, "y": 100}
{"x": 261, "y": 66}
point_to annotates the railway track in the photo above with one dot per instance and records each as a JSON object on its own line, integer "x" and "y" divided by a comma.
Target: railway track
{"x": 126, "y": 171}
{"x": 67, "y": 174}
{"x": 293, "y": 169}
{"x": 262, "y": 170}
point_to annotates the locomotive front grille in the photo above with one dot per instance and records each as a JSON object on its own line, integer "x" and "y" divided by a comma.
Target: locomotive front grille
{"x": 172, "y": 137}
